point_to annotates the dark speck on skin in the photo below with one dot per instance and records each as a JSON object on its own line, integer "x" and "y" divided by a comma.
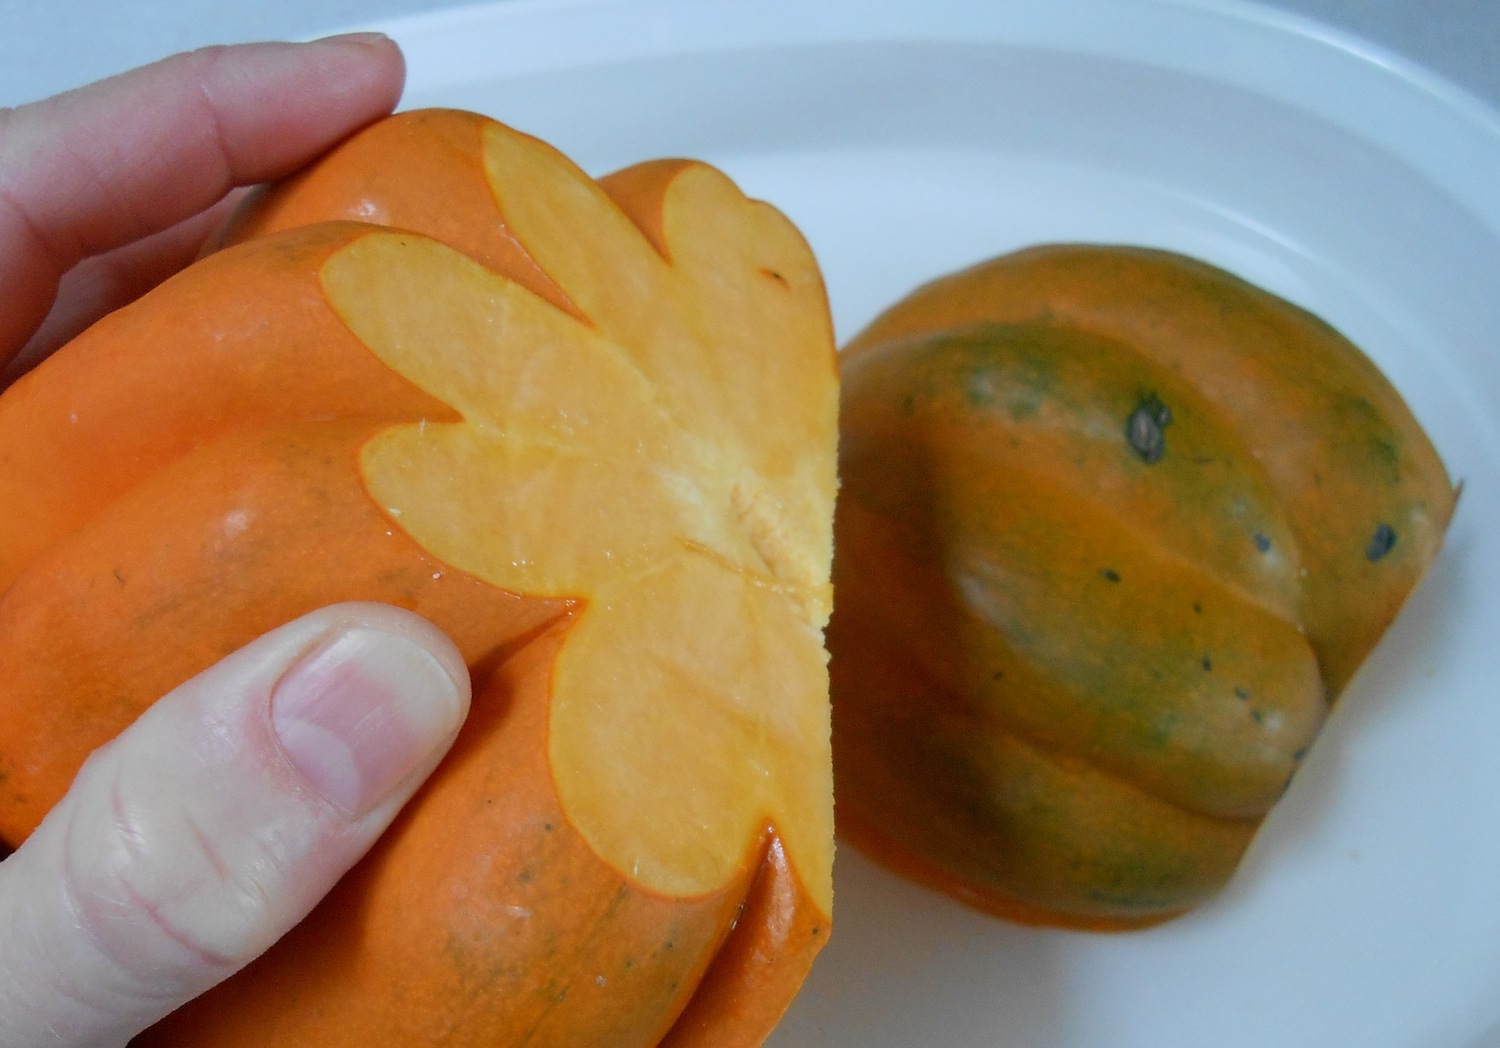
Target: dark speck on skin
{"x": 1262, "y": 543}
{"x": 1381, "y": 543}
{"x": 1110, "y": 574}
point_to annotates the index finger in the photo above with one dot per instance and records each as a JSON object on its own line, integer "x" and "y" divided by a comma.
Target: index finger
{"x": 107, "y": 164}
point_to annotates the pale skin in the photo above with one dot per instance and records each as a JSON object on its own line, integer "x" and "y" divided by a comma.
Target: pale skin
{"x": 196, "y": 838}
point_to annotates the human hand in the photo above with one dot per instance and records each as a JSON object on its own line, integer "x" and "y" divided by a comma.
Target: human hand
{"x": 107, "y": 190}
{"x": 195, "y": 839}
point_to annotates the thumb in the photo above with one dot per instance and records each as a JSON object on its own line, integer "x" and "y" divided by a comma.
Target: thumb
{"x": 200, "y": 835}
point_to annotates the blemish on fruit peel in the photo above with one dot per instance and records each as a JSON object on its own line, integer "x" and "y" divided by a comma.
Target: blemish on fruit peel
{"x": 236, "y": 523}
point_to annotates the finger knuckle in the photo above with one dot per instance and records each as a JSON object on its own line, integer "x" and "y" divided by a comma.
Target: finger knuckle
{"x": 157, "y": 894}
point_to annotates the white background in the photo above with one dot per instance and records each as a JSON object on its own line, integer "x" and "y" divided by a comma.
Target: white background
{"x": 46, "y": 46}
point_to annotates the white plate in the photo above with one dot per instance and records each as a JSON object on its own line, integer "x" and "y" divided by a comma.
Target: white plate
{"x": 908, "y": 139}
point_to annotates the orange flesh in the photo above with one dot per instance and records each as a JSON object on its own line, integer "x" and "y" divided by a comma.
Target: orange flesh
{"x": 695, "y": 541}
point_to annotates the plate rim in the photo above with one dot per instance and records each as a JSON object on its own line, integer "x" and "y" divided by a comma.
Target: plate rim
{"x": 1440, "y": 129}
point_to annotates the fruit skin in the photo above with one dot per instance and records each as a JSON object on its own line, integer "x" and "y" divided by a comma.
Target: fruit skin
{"x": 190, "y": 468}
{"x": 1115, "y": 528}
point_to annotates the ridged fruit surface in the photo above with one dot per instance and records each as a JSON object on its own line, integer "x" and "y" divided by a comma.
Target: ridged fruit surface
{"x": 1116, "y": 528}
{"x": 588, "y": 428}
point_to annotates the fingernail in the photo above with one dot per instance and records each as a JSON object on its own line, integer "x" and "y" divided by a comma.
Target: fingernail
{"x": 368, "y": 39}
{"x": 358, "y": 715}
